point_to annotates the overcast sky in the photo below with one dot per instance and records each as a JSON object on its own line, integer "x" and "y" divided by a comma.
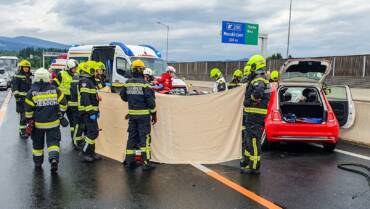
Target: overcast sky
{"x": 319, "y": 27}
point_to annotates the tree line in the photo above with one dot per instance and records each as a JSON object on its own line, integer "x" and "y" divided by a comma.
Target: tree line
{"x": 34, "y": 55}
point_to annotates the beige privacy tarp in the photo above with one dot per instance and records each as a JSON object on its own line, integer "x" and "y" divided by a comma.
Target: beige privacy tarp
{"x": 191, "y": 129}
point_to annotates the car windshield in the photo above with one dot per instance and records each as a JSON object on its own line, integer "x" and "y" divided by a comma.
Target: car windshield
{"x": 158, "y": 66}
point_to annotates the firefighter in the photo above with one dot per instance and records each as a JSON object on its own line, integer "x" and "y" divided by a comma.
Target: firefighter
{"x": 245, "y": 80}
{"x": 64, "y": 80}
{"x": 237, "y": 76}
{"x": 141, "y": 104}
{"x": 45, "y": 105}
{"x": 274, "y": 76}
{"x": 165, "y": 80}
{"x": 246, "y": 74}
{"x": 256, "y": 101}
{"x": 88, "y": 107}
{"x": 77, "y": 125}
{"x": 100, "y": 76}
{"x": 21, "y": 84}
{"x": 78, "y": 136}
{"x": 220, "y": 84}
{"x": 148, "y": 76}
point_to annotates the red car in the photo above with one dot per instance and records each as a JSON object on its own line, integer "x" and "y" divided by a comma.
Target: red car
{"x": 303, "y": 109}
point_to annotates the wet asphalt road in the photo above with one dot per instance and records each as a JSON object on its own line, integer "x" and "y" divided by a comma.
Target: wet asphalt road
{"x": 2, "y": 96}
{"x": 293, "y": 176}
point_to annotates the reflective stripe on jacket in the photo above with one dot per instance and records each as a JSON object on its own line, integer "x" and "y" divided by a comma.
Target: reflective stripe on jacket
{"x": 88, "y": 96}
{"x": 257, "y": 96}
{"x": 140, "y": 97}
{"x": 21, "y": 84}
{"x": 44, "y": 103}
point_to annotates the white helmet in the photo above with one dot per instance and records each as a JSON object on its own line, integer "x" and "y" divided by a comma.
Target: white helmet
{"x": 171, "y": 69}
{"x": 43, "y": 75}
{"x": 148, "y": 71}
{"x": 71, "y": 63}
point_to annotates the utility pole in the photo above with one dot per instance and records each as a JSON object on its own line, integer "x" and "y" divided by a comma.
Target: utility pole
{"x": 290, "y": 19}
{"x": 168, "y": 31}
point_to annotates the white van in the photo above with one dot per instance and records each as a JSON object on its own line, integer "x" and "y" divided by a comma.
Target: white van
{"x": 117, "y": 58}
{"x": 9, "y": 64}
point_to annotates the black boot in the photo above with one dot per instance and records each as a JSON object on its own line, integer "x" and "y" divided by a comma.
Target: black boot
{"x": 96, "y": 157}
{"x": 38, "y": 166}
{"x": 87, "y": 158}
{"x": 53, "y": 166}
{"x": 130, "y": 165}
{"x": 147, "y": 166}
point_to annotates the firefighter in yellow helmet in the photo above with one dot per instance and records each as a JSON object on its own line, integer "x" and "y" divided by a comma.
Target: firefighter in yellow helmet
{"x": 274, "y": 76}
{"x": 100, "y": 77}
{"x": 141, "y": 112}
{"x": 64, "y": 81}
{"x": 21, "y": 84}
{"x": 220, "y": 84}
{"x": 256, "y": 100}
{"x": 235, "y": 82}
{"x": 88, "y": 108}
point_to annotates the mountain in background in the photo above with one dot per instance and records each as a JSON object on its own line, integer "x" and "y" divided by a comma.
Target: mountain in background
{"x": 21, "y": 42}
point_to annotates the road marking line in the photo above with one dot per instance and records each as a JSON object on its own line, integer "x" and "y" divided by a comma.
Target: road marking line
{"x": 346, "y": 152}
{"x": 4, "y": 107}
{"x": 251, "y": 195}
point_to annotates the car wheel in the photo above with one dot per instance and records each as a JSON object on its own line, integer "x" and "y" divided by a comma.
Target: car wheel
{"x": 329, "y": 147}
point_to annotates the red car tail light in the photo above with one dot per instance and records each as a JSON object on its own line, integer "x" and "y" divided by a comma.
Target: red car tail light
{"x": 331, "y": 117}
{"x": 276, "y": 115}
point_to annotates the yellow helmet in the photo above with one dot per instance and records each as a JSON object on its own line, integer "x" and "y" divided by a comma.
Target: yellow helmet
{"x": 215, "y": 73}
{"x": 87, "y": 67}
{"x": 238, "y": 73}
{"x": 137, "y": 63}
{"x": 274, "y": 75}
{"x": 24, "y": 63}
{"x": 257, "y": 63}
{"x": 247, "y": 70}
{"x": 79, "y": 67}
{"x": 100, "y": 66}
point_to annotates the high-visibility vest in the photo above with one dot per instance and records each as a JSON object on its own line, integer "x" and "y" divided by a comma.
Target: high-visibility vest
{"x": 65, "y": 85}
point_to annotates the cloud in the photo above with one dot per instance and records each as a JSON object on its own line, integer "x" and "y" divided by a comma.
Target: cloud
{"x": 319, "y": 27}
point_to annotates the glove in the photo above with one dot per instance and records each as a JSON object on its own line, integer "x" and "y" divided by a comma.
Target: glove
{"x": 94, "y": 116}
{"x": 64, "y": 122}
{"x": 29, "y": 127}
{"x": 108, "y": 84}
{"x": 126, "y": 117}
{"x": 154, "y": 118}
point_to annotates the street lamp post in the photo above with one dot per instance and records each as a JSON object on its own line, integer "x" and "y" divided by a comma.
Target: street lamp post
{"x": 168, "y": 31}
{"x": 290, "y": 18}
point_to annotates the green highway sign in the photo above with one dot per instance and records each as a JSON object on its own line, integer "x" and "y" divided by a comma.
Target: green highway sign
{"x": 239, "y": 33}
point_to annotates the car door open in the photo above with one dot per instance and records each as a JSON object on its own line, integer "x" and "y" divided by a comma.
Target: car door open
{"x": 340, "y": 99}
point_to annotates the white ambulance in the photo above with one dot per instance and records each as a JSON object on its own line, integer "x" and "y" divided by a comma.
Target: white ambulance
{"x": 117, "y": 58}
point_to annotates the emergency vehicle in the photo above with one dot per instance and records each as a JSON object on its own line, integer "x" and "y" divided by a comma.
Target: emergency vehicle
{"x": 118, "y": 57}
{"x": 56, "y": 66}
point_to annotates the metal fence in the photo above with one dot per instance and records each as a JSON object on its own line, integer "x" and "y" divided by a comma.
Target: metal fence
{"x": 355, "y": 66}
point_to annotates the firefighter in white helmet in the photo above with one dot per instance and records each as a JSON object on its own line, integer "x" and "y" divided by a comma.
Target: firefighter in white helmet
{"x": 45, "y": 105}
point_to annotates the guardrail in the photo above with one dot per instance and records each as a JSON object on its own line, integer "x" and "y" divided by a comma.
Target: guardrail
{"x": 355, "y": 66}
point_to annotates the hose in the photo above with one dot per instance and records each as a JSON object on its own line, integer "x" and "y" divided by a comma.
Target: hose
{"x": 344, "y": 166}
